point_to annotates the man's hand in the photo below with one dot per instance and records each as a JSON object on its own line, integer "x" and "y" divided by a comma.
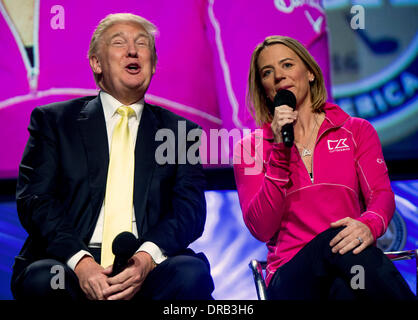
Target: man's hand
{"x": 127, "y": 283}
{"x": 92, "y": 278}
{"x": 348, "y": 238}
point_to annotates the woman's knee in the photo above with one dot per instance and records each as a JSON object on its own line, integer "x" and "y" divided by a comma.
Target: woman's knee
{"x": 329, "y": 234}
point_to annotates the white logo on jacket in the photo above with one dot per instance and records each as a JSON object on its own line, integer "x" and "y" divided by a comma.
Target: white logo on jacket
{"x": 338, "y": 145}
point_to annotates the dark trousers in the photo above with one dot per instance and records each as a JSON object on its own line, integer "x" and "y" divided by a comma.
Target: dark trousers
{"x": 316, "y": 273}
{"x": 183, "y": 277}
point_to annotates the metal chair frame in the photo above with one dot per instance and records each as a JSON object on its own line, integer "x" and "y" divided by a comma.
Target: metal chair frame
{"x": 258, "y": 267}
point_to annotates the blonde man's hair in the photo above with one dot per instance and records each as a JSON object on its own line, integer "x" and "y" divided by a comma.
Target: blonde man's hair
{"x": 112, "y": 19}
{"x": 257, "y": 100}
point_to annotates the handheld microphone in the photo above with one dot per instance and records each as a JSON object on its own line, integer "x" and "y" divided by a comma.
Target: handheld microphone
{"x": 123, "y": 247}
{"x": 288, "y": 98}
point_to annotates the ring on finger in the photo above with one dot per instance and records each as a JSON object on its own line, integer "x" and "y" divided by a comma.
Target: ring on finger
{"x": 360, "y": 240}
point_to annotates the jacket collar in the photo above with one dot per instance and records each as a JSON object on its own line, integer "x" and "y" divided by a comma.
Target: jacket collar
{"x": 267, "y": 131}
{"x": 334, "y": 115}
{"x": 92, "y": 128}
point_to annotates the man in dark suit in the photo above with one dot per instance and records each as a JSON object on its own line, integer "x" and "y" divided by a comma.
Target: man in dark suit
{"x": 64, "y": 182}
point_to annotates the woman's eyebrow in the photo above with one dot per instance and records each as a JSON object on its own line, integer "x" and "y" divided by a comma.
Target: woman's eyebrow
{"x": 280, "y": 61}
{"x": 285, "y": 59}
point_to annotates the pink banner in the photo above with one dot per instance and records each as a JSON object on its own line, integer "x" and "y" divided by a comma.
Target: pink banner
{"x": 203, "y": 47}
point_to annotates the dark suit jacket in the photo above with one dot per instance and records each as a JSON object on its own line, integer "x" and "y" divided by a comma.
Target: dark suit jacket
{"x": 62, "y": 181}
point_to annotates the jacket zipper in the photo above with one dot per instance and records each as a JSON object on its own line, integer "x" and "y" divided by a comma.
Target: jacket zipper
{"x": 313, "y": 150}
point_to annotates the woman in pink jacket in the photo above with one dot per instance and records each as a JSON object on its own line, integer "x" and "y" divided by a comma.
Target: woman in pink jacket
{"x": 321, "y": 204}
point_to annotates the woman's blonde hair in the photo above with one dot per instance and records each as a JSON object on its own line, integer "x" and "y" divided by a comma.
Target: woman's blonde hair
{"x": 257, "y": 99}
{"x": 112, "y": 19}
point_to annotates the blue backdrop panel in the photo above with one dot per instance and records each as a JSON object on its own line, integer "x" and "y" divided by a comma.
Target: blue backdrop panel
{"x": 228, "y": 244}
{"x": 12, "y": 236}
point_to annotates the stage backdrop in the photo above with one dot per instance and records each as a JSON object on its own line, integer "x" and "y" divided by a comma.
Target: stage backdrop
{"x": 228, "y": 244}
{"x": 374, "y": 47}
{"x": 204, "y": 49}
{"x": 366, "y": 49}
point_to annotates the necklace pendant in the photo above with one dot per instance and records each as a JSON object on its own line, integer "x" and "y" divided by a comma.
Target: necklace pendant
{"x": 306, "y": 152}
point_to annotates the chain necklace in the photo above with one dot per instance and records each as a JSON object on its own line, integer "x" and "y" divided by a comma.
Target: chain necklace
{"x": 305, "y": 151}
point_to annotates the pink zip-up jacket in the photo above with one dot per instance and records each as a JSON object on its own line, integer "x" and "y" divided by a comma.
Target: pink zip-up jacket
{"x": 284, "y": 208}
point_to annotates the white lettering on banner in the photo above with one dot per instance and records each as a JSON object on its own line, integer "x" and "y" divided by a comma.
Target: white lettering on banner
{"x": 380, "y": 100}
{"x": 282, "y": 5}
{"x": 316, "y": 24}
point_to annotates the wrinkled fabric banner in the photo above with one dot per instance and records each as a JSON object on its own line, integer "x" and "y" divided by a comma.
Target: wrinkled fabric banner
{"x": 203, "y": 47}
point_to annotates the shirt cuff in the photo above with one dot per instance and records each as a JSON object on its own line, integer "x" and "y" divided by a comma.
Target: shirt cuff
{"x": 75, "y": 259}
{"x": 374, "y": 222}
{"x": 153, "y": 250}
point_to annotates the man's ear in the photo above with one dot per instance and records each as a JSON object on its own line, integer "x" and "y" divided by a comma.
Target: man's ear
{"x": 95, "y": 64}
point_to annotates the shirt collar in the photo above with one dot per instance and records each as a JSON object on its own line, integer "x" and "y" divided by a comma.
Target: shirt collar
{"x": 110, "y": 105}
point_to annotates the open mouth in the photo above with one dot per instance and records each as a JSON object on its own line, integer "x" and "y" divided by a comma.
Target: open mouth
{"x": 133, "y": 68}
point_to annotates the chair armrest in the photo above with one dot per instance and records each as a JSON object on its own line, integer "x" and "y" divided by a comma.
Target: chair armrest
{"x": 402, "y": 255}
{"x": 406, "y": 255}
{"x": 257, "y": 269}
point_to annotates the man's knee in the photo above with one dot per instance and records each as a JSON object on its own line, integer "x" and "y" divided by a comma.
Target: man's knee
{"x": 42, "y": 279}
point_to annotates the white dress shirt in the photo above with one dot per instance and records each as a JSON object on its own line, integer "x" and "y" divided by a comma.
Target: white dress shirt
{"x": 110, "y": 105}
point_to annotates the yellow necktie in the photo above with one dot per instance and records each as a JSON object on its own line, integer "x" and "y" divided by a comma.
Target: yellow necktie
{"x": 118, "y": 201}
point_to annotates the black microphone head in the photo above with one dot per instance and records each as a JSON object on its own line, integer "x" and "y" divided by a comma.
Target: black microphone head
{"x": 125, "y": 244}
{"x": 285, "y": 97}
{"x": 288, "y": 98}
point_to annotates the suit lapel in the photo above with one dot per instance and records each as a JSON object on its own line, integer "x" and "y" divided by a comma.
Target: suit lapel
{"x": 92, "y": 126}
{"x": 144, "y": 165}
